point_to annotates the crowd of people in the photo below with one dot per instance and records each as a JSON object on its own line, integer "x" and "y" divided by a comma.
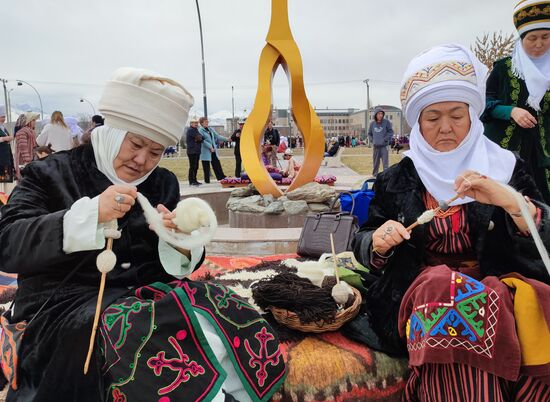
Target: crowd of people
{"x": 465, "y": 295}
{"x": 202, "y": 143}
{"x": 59, "y": 134}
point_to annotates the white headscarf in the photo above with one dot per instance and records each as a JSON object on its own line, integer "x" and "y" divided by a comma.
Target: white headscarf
{"x": 451, "y": 73}
{"x": 106, "y": 142}
{"x": 535, "y": 71}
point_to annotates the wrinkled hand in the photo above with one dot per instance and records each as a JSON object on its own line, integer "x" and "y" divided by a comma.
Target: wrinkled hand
{"x": 389, "y": 235}
{"x": 523, "y": 118}
{"x": 485, "y": 190}
{"x": 115, "y": 202}
{"x": 167, "y": 218}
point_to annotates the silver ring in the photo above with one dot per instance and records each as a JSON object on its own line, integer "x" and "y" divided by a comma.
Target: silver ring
{"x": 388, "y": 229}
{"x": 119, "y": 198}
{"x": 383, "y": 237}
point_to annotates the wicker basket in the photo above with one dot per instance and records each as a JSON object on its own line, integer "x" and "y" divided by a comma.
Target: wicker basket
{"x": 291, "y": 320}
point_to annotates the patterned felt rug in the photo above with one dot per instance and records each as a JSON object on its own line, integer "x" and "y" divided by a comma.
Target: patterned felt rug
{"x": 321, "y": 367}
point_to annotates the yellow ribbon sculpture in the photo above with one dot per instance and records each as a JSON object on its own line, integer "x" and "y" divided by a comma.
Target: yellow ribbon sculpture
{"x": 281, "y": 50}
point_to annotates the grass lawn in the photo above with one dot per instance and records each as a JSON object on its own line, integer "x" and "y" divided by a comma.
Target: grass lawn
{"x": 358, "y": 159}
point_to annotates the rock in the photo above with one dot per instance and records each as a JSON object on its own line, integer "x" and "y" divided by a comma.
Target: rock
{"x": 268, "y": 199}
{"x": 312, "y": 192}
{"x": 246, "y": 204}
{"x": 282, "y": 198}
{"x": 275, "y": 208}
{"x": 318, "y": 207}
{"x": 295, "y": 207}
{"x": 244, "y": 191}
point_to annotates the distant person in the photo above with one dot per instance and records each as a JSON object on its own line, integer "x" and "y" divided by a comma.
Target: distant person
{"x": 353, "y": 142}
{"x": 517, "y": 113}
{"x": 380, "y": 134}
{"x": 76, "y": 131}
{"x": 19, "y": 123}
{"x": 56, "y": 133}
{"x": 271, "y": 136}
{"x": 348, "y": 141}
{"x": 193, "y": 143}
{"x": 236, "y": 138}
{"x": 42, "y": 152}
{"x": 7, "y": 167}
{"x": 396, "y": 144}
{"x": 267, "y": 152}
{"x": 334, "y": 147}
{"x": 292, "y": 166}
{"x": 209, "y": 150}
{"x": 25, "y": 141}
{"x": 97, "y": 121}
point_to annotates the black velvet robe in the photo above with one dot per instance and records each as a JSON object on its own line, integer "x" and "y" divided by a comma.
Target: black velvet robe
{"x": 498, "y": 247}
{"x": 54, "y": 346}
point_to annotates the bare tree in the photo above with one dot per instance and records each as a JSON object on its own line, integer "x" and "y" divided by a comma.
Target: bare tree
{"x": 491, "y": 48}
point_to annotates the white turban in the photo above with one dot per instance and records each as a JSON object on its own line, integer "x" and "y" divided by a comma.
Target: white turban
{"x": 451, "y": 73}
{"x": 443, "y": 73}
{"x": 146, "y": 103}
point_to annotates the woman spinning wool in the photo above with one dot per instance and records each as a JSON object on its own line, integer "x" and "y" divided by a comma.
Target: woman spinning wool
{"x": 161, "y": 337}
{"x": 438, "y": 290}
{"x": 518, "y": 94}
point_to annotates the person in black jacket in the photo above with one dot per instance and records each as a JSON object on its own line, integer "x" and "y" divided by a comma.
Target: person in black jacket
{"x": 435, "y": 292}
{"x": 236, "y": 138}
{"x": 161, "y": 336}
{"x": 272, "y": 137}
{"x": 193, "y": 140}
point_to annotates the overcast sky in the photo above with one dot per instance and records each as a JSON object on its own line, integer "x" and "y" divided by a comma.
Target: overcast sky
{"x": 68, "y": 48}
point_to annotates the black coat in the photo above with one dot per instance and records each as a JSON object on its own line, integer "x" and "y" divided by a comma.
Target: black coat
{"x": 398, "y": 196}
{"x": 55, "y": 344}
{"x": 237, "y": 141}
{"x": 272, "y": 136}
{"x": 191, "y": 136}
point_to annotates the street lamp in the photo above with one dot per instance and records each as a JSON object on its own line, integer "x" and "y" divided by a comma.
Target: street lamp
{"x": 203, "y": 71}
{"x": 21, "y": 82}
{"x": 90, "y": 103}
{"x": 4, "y": 81}
{"x": 367, "y": 113}
{"x": 9, "y": 101}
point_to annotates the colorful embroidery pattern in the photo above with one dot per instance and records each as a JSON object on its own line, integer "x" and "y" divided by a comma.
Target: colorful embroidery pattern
{"x": 225, "y": 301}
{"x": 262, "y": 358}
{"x": 181, "y": 365}
{"x": 119, "y": 313}
{"x": 118, "y": 395}
{"x": 451, "y": 70}
{"x": 467, "y": 321}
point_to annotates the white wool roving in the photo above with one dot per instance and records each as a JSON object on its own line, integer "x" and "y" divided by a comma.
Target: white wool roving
{"x": 341, "y": 292}
{"x": 191, "y": 215}
{"x": 200, "y": 228}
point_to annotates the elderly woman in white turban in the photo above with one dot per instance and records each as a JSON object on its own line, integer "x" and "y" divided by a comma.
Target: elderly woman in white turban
{"x": 517, "y": 116}
{"x": 438, "y": 291}
{"x": 162, "y": 337}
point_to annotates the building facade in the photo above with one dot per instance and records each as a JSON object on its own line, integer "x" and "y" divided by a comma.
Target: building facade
{"x": 343, "y": 122}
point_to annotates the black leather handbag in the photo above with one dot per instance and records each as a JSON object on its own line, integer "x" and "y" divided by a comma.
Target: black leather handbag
{"x": 315, "y": 237}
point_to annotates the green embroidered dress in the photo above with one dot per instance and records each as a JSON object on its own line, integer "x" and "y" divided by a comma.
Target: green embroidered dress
{"x": 505, "y": 91}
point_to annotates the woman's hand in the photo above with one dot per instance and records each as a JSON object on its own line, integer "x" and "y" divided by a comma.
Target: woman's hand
{"x": 389, "y": 235}
{"x": 485, "y": 190}
{"x": 523, "y": 118}
{"x": 167, "y": 218}
{"x": 115, "y": 202}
